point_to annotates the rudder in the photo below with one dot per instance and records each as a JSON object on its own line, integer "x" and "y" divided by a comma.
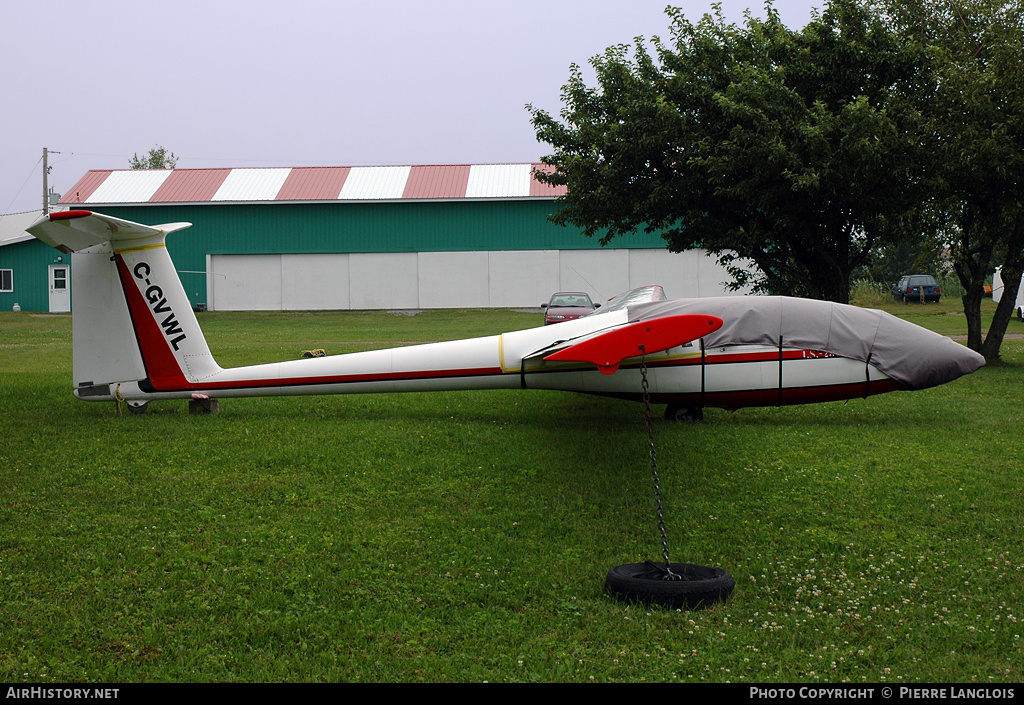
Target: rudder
{"x": 132, "y": 321}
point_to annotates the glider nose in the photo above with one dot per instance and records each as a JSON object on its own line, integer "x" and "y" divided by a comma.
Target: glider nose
{"x": 921, "y": 358}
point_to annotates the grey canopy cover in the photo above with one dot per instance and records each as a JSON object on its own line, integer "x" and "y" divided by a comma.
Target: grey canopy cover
{"x": 909, "y": 354}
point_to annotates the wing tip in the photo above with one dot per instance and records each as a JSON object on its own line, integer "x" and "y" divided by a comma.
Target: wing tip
{"x": 69, "y": 215}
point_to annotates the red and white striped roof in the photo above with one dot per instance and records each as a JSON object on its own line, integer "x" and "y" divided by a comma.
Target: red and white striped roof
{"x": 343, "y": 183}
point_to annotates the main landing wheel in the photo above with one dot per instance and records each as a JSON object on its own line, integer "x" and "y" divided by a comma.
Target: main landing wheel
{"x": 676, "y": 412}
{"x": 687, "y": 587}
{"x": 138, "y": 408}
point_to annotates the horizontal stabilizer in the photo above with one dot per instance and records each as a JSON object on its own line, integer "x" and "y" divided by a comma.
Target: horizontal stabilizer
{"x": 71, "y": 231}
{"x": 610, "y": 348}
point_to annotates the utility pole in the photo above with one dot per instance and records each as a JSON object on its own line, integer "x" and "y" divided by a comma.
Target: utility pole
{"x": 46, "y": 190}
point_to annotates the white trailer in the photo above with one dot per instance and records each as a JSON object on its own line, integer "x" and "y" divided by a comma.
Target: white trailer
{"x": 997, "y": 295}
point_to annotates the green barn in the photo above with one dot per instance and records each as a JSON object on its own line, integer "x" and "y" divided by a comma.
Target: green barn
{"x": 391, "y": 237}
{"x": 33, "y": 277}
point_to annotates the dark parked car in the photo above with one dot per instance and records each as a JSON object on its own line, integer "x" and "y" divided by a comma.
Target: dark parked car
{"x": 917, "y": 287}
{"x": 567, "y": 306}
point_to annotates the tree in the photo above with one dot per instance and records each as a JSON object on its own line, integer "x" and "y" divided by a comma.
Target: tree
{"x": 906, "y": 256}
{"x": 973, "y": 143}
{"x": 158, "y": 158}
{"x": 794, "y": 150}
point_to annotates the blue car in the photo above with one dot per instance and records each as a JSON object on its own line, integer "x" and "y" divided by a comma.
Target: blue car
{"x": 917, "y": 287}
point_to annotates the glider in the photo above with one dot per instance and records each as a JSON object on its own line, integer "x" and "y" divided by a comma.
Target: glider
{"x": 136, "y": 340}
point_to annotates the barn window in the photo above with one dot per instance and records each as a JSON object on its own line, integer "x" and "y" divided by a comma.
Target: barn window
{"x": 6, "y": 280}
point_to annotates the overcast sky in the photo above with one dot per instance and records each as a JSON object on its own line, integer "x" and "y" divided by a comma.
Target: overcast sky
{"x": 297, "y": 83}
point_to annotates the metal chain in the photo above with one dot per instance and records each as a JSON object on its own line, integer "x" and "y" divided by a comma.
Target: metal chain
{"x": 669, "y": 575}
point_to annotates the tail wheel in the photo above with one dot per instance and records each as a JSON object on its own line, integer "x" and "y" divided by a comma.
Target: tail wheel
{"x": 138, "y": 407}
{"x": 676, "y": 412}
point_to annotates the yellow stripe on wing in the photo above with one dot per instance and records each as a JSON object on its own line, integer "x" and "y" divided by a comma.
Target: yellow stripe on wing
{"x": 140, "y": 248}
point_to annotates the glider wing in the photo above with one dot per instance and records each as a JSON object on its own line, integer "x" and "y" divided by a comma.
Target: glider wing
{"x": 608, "y": 349}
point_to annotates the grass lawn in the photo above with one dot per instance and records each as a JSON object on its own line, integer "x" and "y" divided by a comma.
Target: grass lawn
{"x": 465, "y": 536}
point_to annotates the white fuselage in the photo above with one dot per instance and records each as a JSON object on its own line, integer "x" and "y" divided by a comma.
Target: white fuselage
{"x": 731, "y": 377}
{"x": 137, "y": 339}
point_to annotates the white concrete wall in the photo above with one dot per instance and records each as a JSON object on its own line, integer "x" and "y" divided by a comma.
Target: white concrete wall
{"x": 314, "y": 281}
{"x": 521, "y": 277}
{"x": 383, "y": 280}
{"x": 500, "y": 279}
{"x": 596, "y": 271}
{"x": 453, "y": 279}
{"x": 250, "y": 283}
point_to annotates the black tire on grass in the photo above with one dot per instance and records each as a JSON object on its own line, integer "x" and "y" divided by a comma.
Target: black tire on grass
{"x": 699, "y": 586}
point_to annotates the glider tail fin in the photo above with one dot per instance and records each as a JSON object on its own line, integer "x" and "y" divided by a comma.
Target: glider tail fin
{"x": 132, "y": 320}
